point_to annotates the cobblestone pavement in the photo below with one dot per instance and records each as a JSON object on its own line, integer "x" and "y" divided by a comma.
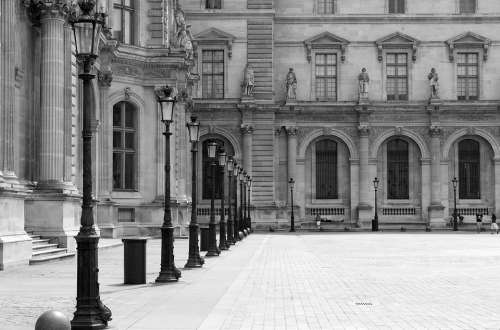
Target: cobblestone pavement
{"x": 282, "y": 281}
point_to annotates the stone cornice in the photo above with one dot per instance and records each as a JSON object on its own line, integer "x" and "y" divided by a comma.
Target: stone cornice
{"x": 387, "y": 19}
{"x": 228, "y": 14}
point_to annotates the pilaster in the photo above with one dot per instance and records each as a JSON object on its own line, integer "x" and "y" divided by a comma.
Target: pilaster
{"x": 105, "y": 133}
{"x": 292, "y": 153}
{"x": 247, "y": 131}
{"x": 364, "y": 208}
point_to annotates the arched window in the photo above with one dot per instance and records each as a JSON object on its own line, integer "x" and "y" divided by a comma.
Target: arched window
{"x": 468, "y": 169}
{"x": 124, "y": 146}
{"x": 397, "y": 169}
{"x": 326, "y": 170}
{"x": 207, "y": 172}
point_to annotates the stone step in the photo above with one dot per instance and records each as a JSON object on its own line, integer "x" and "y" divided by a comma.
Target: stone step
{"x": 34, "y": 236}
{"x": 40, "y": 241}
{"x": 48, "y": 251}
{"x": 39, "y": 247}
{"x": 51, "y": 257}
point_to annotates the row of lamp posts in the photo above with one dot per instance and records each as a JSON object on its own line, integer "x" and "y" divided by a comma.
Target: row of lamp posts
{"x": 91, "y": 313}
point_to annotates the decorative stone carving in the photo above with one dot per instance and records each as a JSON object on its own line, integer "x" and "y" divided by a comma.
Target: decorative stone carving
{"x": 246, "y": 129}
{"x": 435, "y": 131}
{"x": 105, "y": 78}
{"x": 363, "y": 130}
{"x": 248, "y": 81}
{"x": 127, "y": 92}
{"x": 325, "y": 40}
{"x": 433, "y": 84}
{"x": 292, "y": 131}
{"x": 397, "y": 40}
{"x": 39, "y": 9}
{"x": 363, "y": 81}
{"x": 291, "y": 85}
{"x": 215, "y": 36}
{"x": 468, "y": 40}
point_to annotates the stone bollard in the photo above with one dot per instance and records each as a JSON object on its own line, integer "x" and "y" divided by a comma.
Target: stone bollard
{"x": 241, "y": 235}
{"x": 52, "y": 320}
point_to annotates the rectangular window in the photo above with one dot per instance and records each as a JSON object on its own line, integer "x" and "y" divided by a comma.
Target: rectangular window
{"x": 467, "y": 76}
{"x": 213, "y": 74}
{"x": 326, "y": 170}
{"x": 396, "y": 6}
{"x": 326, "y": 7}
{"x": 468, "y": 169}
{"x": 326, "y": 76}
{"x": 397, "y": 169}
{"x": 397, "y": 76}
{"x": 123, "y": 21}
{"x": 467, "y": 6}
{"x": 124, "y": 142}
{"x": 213, "y": 4}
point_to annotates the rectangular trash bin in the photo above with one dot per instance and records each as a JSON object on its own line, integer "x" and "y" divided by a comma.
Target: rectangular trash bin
{"x": 204, "y": 238}
{"x": 134, "y": 260}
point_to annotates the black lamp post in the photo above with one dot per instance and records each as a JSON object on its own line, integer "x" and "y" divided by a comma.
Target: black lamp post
{"x": 455, "y": 214}
{"x": 165, "y": 96}
{"x": 375, "y": 219}
{"x": 236, "y": 233}
{"x": 90, "y": 311}
{"x": 230, "y": 223}
{"x": 222, "y": 224}
{"x": 194, "y": 259}
{"x": 213, "y": 251}
{"x": 242, "y": 203}
{"x": 291, "y": 183}
{"x": 249, "y": 185}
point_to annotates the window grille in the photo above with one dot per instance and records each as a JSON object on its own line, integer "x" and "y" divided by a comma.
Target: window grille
{"x": 397, "y": 169}
{"x": 397, "y": 76}
{"x": 326, "y": 7}
{"x": 207, "y": 173}
{"x": 124, "y": 146}
{"x": 396, "y": 6}
{"x": 213, "y": 74}
{"x": 467, "y": 6}
{"x": 213, "y": 4}
{"x": 326, "y": 169}
{"x": 468, "y": 169}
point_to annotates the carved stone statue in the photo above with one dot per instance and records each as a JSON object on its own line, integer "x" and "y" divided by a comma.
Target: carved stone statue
{"x": 433, "y": 83}
{"x": 291, "y": 85}
{"x": 363, "y": 81}
{"x": 248, "y": 81}
{"x": 180, "y": 20}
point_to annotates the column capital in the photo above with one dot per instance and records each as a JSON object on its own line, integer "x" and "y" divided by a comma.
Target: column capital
{"x": 246, "y": 129}
{"x": 435, "y": 131}
{"x": 41, "y": 9}
{"x": 364, "y": 130}
{"x": 105, "y": 78}
{"x": 292, "y": 131}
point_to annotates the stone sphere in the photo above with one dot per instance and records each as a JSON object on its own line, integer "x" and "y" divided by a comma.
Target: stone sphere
{"x": 52, "y": 320}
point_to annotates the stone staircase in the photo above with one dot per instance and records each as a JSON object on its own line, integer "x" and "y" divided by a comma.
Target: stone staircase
{"x": 44, "y": 251}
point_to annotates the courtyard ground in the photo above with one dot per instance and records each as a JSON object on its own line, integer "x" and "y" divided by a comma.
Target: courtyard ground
{"x": 286, "y": 281}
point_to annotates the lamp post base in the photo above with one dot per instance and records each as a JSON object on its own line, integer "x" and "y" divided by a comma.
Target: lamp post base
{"x": 90, "y": 312}
{"x": 213, "y": 250}
{"x": 194, "y": 260}
{"x": 168, "y": 272}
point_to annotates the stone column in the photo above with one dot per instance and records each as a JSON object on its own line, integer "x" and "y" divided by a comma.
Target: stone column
{"x": 292, "y": 156}
{"x": 436, "y": 215}
{"x": 51, "y": 171}
{"x": 364, "y": 208}
{"x": 247, "y": 131}
{"x": 7, "y": 111}
{"x": 105, "y": 136}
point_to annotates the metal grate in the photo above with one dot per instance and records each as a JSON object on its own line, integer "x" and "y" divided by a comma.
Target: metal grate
{"x": 399, "y": 211}
{"x": 205, "y": 211}
{"x": 325, "y": 211}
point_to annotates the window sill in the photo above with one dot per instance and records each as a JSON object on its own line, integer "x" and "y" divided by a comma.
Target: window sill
{"x": 327, "y": 202}
{"x": 126, "y": 194}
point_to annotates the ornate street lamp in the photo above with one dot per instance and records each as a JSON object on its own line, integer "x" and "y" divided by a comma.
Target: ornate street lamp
{"x": 455, "y": 214}
{"x": 375, "y": 219}
{"x": 213, "y": 251}
{"x": 90, "y": 311}
{"x": 236, "y": 232}
{"x": 194, "y": 259}
{"x": 245, "y": 206}
{"x": 291, "y": 183}
{"x": 249, "y": 221}
{"x": 242, "y": 203}
{"x": 230, "y": 223}
{"x": 165, "y": 96}
{"x": 222, "y": 223}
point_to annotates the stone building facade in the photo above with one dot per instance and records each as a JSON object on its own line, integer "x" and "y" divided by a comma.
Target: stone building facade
{"x": 328, "y": 125}
{"x": 341, "y": 130}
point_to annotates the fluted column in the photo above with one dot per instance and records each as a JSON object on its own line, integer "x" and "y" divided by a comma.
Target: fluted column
{"x": 51, "y": 171}
{"x": 105, "y": 132}
{"x": 364, "y": 185}
{"x": 292, "y": 154}
{"x": 435, "y": 133}
{"x": 7, "y": 110}
{"x": 247, "y": 131}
